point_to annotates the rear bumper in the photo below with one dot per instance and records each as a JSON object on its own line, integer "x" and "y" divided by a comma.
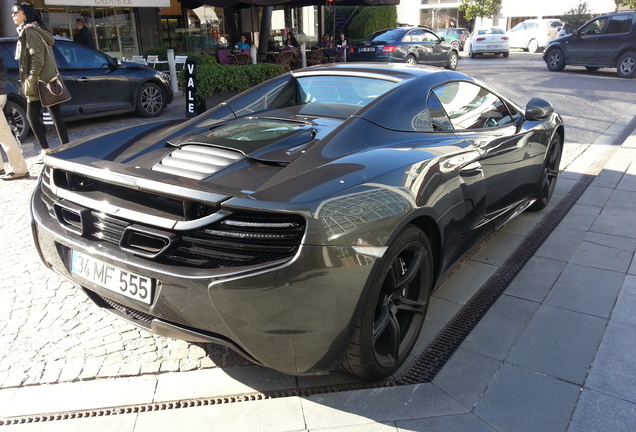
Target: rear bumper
{"x": 294, "y": 317}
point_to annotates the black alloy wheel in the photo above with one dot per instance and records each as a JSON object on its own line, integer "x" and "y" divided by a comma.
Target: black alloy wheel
{"x": 555, "y": 60}
{"x": 16, "y": 117}
{"x": 150, "y": 100}
{"x": 394, "y": 309}
{"x": 549, "y": 175}
{"x": 453, "y": 57}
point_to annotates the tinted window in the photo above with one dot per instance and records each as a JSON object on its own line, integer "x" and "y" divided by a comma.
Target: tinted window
{"x": 593, "y": 27}
{"x": 414, "y": 36}
{"x": 472, "y": 107}
{"x": 429, "y": 37}
{"x": 619, "y": 24}
{"x": 439, "y": 119}
{"x": 78, "y": 57}
{"x": 8, "y": 55}
{"x": 340, "y": 90}
{"x": 384, "y": 36}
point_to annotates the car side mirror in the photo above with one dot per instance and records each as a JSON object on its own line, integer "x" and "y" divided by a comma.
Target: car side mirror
{"x": 112, "y": 63}
{"x": 575, "y": 32}
{"x": 538, "y": 109}
{"x": 441, "y": 39}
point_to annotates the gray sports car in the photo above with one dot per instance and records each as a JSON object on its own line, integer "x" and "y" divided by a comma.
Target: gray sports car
{"x": 305, "y": 222}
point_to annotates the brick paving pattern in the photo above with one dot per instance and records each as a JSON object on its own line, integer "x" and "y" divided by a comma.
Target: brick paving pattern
{"x": 50, "y": 332}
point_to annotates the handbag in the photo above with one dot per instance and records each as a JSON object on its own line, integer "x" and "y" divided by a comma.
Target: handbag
{"x": 53, "y": 92}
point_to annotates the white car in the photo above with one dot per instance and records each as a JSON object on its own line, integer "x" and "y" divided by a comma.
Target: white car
{"x": 534, "y": 34}
{"x": 491, "y": 40}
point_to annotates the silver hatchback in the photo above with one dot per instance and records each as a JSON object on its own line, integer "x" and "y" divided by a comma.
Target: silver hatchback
{"x": 534, "y": 34}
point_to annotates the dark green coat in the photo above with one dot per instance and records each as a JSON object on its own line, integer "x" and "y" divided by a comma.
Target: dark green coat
{"x": 36, "y": 59}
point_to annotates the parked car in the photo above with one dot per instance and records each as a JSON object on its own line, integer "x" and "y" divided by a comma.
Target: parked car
{"x": 455, "y": 36}
{"x": 605, "y": 41}
{"x": 304, "y": 223}
{"x": 491, "y": 40}
{"x": 414, "y": 45}
{"x": 534, "y": 34}
{"x": 98, "y": 84}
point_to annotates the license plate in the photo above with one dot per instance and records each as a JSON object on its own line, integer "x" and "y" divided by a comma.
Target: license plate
{"x": 367, "y": 49}
{"x": 493, "y": 46}
{"x": 112, "y": 277}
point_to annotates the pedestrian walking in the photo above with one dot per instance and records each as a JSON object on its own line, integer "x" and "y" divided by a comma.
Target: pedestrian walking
{"x": 17, "y": 166}
{"x": 83, "y": 36}
{"x": 37, "y": 62}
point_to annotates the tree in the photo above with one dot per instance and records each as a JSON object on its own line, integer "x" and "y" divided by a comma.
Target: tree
{"x": 629, "y": 4}
{"x": 480, "y": 8}
{"x": 371, "y": 19}
{"x": 577, "y": 16}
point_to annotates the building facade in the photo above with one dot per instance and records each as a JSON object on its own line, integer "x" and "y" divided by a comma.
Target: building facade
{"x": 446, "y": 13}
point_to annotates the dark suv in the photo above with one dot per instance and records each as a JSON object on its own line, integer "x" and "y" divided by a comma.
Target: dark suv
{"x": 98, "y": 83}
{"x": 605, "y": 41}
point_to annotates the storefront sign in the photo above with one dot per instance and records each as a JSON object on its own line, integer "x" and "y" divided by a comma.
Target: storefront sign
{"x": 191, "y": 89}
{"x": 109, "y": 3}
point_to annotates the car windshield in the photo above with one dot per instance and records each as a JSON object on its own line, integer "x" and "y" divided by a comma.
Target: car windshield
{"x": 338, "y": 96}
{"x": 384, "y": 36}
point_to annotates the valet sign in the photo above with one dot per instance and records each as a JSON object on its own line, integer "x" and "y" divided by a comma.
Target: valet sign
{"x": 191, "y": 89}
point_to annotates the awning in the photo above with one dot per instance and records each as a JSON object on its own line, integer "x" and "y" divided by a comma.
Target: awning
{"x": 109, "y": 3}
{"x": 193, "y": 4}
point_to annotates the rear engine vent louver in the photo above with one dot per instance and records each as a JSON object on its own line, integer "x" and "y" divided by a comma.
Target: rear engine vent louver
{"x": 197, "y": 161}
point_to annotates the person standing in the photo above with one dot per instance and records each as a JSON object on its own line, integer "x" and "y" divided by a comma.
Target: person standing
{"x": 17, "y": 166}
{"x": 83, "y": 36}
{"x": 37, "y": 62}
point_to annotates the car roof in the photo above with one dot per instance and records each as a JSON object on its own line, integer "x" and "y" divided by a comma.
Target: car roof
{"x": 15, "y": 39}
{"x": 390, "y": 71}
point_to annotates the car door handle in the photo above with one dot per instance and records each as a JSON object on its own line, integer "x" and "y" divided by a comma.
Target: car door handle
{"x": 83, "y": 80}
{"x": 471, "y": 170}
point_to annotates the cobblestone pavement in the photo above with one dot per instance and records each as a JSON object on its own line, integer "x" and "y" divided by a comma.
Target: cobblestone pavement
{"x": 50, "y": 332}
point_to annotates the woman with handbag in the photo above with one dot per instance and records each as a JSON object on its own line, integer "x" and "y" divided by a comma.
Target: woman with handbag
{"x": 37, "y": 64}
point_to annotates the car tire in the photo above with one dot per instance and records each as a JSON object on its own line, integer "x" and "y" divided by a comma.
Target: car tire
{"x": 555, "y": 60}
{"x": 533, "y": 46}
{"x": 410, "y": 59}
{"x": 151, "y": 100}
{"x": 626, "y": 66}
{"x": 472, "y": 54}
{"x": 549, "y": 175}
{"x": 455, "y": 44}
{"x": 453, "y": 58}
{"x": 16, "y": 117}
{"x": 394, "y": 309}
{"x": 506, "y": 54}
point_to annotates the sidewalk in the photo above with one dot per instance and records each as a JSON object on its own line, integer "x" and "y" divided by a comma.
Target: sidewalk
{"x": 555, "y": 353}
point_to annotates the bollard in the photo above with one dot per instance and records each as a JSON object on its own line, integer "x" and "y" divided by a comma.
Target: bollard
{"x": 303, "y": 55}
{"x": 172, "y": 69}
{"x": 253, "y": 53}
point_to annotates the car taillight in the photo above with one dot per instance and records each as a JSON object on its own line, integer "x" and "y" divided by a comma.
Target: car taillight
{"x": 351, "y": 49}
{"x": 481, "y": 39}
{"x": 504, "y": 38}
{"x": 463, "y": 37}
{"x": 389, "y": 48}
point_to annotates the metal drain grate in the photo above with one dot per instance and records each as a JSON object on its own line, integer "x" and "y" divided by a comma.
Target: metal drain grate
{"x": 428, "y": 363}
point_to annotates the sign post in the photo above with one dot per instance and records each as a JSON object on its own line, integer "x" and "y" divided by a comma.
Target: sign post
{"x": 191, "y": 88}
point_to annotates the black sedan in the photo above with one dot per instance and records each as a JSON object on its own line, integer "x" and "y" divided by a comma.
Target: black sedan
{"x": 99, "y": 85}
{"x": 305, "y": 222}
{"x": 406, "y": 45}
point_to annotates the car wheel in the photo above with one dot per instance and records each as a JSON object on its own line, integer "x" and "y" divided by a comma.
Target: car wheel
{"x": 472, "y": 54}
{"x": 627, "y": 65}
{"x": 555, "y": 60}
{"x": 453, "y": 57}
{"x": 549, "y": 175}
{"x": 506, "y": 54}
{"x": 393, "y": 312}
{"x": 410, "y": 59}
{"x": 17, "y": 119}
{"x": 150, "y": 100}
{"x": 592, "y": 68}
{"x": 533, "y": 46}
{"x": 455, "y": 44}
